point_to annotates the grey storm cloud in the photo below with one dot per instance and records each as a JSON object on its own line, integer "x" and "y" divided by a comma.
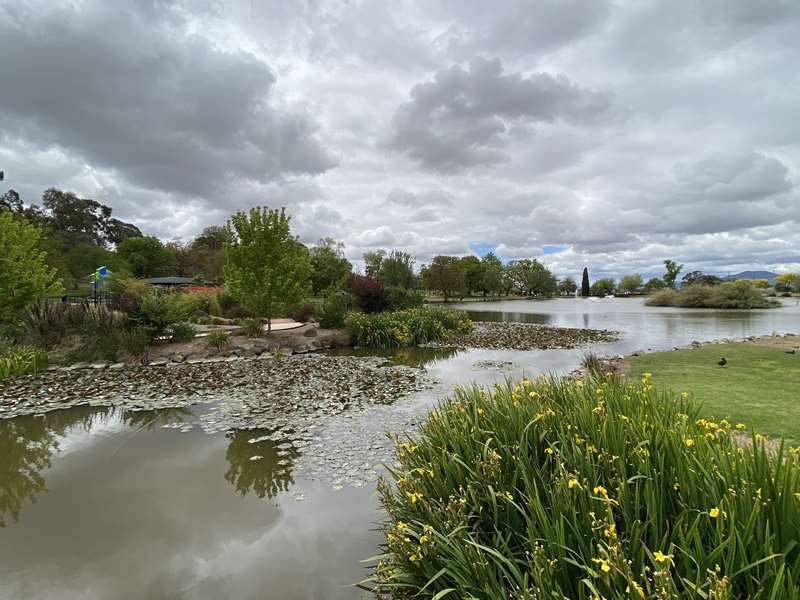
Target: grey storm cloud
{"x": 127, "y": 87}
{"x": 623, "y": 132}
{"x": 464, "y": 116}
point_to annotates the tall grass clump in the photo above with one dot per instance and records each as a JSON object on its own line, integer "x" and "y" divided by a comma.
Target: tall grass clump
{"x": 21, "y": 360}
{"x": 410, "y": 327}
{"x": 735, "y": 294}
{"x": 588, "y": 489}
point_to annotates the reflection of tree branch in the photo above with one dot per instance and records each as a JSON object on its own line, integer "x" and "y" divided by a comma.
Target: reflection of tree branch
{"x": 265, "y": 476}
{"x": 150, "y": 419}
{"x": 26, "y": 446}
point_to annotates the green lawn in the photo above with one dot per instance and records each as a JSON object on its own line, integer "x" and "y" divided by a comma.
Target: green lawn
{"x": 760, "y": 386}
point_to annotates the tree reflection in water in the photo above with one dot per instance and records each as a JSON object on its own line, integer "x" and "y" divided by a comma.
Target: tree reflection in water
{"x": 148, "y": 420}
{"x": 26, "y": 447}
{"x": 264, "y": 476}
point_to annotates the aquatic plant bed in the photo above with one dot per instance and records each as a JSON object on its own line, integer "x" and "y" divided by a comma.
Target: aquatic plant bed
{"x": 522, "y": 336}
{"x": 589, "y": 488}
{"x": 318, "y": 383}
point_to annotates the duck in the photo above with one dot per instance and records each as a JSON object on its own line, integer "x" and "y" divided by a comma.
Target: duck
{"x": 722, "y": 362}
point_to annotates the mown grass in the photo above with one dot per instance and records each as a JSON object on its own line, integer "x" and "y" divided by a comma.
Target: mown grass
{"x": 759, "y": 385}
{"x": 587, "y": 489}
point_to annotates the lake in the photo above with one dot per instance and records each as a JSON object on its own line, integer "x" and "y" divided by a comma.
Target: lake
{"x": 101, "y": 503}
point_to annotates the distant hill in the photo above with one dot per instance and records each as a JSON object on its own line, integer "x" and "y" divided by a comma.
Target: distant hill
{"x": 752, "y": 275}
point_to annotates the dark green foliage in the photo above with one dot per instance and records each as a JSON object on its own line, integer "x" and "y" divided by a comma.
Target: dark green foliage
{"x": 567, "y": 286}
{"x": 697, "y": 277}
{"x": 532, "y": 278}
{"x": 372, "y": 263}
{"x": 158, "y": 312}
{"x": 218, "y": 339}
{"x": 147, "y": 257}
{"x": 585, "y": 289}
{"x": 397, "y": 270}
{"x": 473, "y": 273}
{"x": 407, "y": 327}
{"x": 492, "y": 274}
{"x": 444, "y": 275}
{"x": 401, "y": 298}
{"x": 596, "y": 488}
{"x": 183, "y": 332}
{"x": 603, "y": 287}
{"x": 673, "y": 269}
{"x": 653, "y": 285}
{"x": 335, "y": 308}
{"x": 253, "y": 328}
{"x": 328, "y": 265}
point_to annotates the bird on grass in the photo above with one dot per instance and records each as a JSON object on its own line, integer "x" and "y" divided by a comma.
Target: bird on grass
{"x": 791, "y": 351}
{"x": 722, "y": 362}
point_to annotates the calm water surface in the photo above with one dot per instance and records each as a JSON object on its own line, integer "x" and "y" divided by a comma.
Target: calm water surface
{"x": 97, "y": 503}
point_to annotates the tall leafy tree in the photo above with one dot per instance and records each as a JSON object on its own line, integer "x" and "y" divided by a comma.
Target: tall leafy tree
{"x": 603, "y": 287}
{"x": 673, "y": 269}
{"x": 630, "y": 283}
{"x": 25, "y": 276}
{"x": 373, "y": 261}
{"x": 83, "y": 259}
{"x": 653, "y": 285}
{"x": 329, "y": 266}
{"x": 567, "y": 286}
{"x": 532, "y": 278}
{"x": 444, "y": 275}
{"x": 397, "y": 270}
{"x": 267, "y": 268}
{"x": 147, "y": 257}
{"x": 473, "y": 273}
{"x": 492, "y": 282}
{"x": 585, "y": 289}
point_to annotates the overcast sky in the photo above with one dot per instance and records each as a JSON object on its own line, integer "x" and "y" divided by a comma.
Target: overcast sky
{"x": 607, "y": 134}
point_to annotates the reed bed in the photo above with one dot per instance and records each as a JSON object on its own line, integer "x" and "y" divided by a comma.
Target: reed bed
{"x": 587, "y": 489}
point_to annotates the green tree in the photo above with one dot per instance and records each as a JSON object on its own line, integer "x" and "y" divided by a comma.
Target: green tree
{"x": 372, "y": 263}
{"x": 532, "y": 278}
{"x": 653, "y": 285}
{"x": 82, "y": 260}
{"x": 790, "y": 281}
{"x": 473, "y": 273}
{"x": 328, "y": 264}
{"x": 585, "y": 289}
{"x": 567, "y": 286}
{"x": 603, "y": 287}
{"x": 267, "y": 268}
{"x": 147, "y": 257}
{"x": 492, "y": 274}
{"x": 444, "y": 275}
{"x": 671, "y": 275}
{"x": 397, "y": 270}
{"x": 630, "y": 283}
{"x": 25, "y": 276}
{"x": 697, "y": 277}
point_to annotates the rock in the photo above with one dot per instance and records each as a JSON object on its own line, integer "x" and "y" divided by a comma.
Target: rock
{"x": 312, "y": 332}
{"x": 177, "y": 358}
{"x": 696, "y": 344}
{"x": 77, "y": 365}
{"x": 158, "y": 362}
{"x": 99, "y": 365}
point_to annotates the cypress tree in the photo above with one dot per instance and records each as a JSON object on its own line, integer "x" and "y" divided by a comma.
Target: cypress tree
{"x": 585, "y": 283}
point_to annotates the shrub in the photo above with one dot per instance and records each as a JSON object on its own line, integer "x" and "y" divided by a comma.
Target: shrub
{"x": 736, "y": 294}
{"x": 134, "y": 342}
{"x": 585, "y": 489}
{"x": 665, "y": 297}
{"x": 46, "y": 322}
{"x": 183, "y": 332}
{"x": 226, "y": 300}
{"x": 304, "y": 313}
{"x": 335, "y": 308}
{"x": 21, "y": 360}
{"x": 253, "y": 328}
{"x": 202, "y": 301}
{"x": 370, "y": 294}
{"x": 219, "y": 339}
{"x": 127, "y": 292}
{"x": 694, "y": 296}
{"x": 401, "y": 298}
{"x": 237, "y": 311}
{"x": 158, "y": 312}
{"x": 406, "y": 327}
